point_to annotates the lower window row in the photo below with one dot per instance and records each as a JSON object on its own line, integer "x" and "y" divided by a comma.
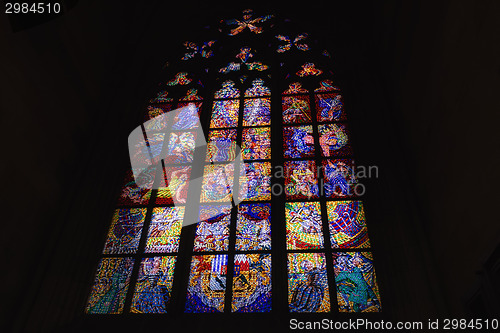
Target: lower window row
{"x": 308, "y": 288}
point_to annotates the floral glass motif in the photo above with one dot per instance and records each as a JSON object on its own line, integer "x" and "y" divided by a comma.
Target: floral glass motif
{"x": 207, "y": 284}
{"x": 179, "y": 79}
{"x": 110, "y": 286}
{"x": 329, "y": 107}
{"x": 247, "y": 22}
{"x": 212, "y": 232}
{"x": 252, "y": 283}
{"x": 125, "y": 231}
{"x": 253, "y": 227}
{"x": 298, "y": 141}
{"x": 136, "y": 191}
{"x": 357, "y": 289}
{"x": 255, "y": 181}
{"x": 303, "y": 225}
{"x": 228, "y": 90}
{"x": 347, "y": 224}
{"x": 256, "y": 143}
{"x": 180, "y": 147}
{"x": 257, "y": 112}
{"x": 225, "y": 114}
{"x": 231, "y": 67}
{"x": 154, "y": 285}
{"x": 334, "y": 140}
{"x": 301, "y": 180}
{"x": 217, "y": 185}
{"x": 307, "y": 283}
{"x": 165, "y": 230}
{"x": 204, "y": 50}
{"x": 326, "y": 85}
{"x": 309, "y": 69}
{"x": 258, "y": 89}
{"x": 295, "y": 88}
{"x": 191, "y": 95}
{"x": 187, "y": 118}
{"x": 161, "y": 97}
{"x": 296, "y": 109}
{"x": 221, "y": 146}
{"x": 289, "y": 43}
{"x": 244, "y": 54}
{"x": 174, "y": 186}
{"x": 339, "y": 181}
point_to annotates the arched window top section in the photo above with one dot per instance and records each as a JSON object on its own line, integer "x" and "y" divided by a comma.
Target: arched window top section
{"x": 191, "y": 95}
{"x": 326, "y": 85}
{"x": 180, "y": 78}
{"x": 309, "y": 69}
{"x": 228, "y": 90}
{"x": 289, "y": 42}
{"x": 257, "y": 89}
{"x": 295, "y": 88}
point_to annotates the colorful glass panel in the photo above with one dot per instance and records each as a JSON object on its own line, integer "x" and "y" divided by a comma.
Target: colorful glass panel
{"x": 347, "y": 224}
{"x": 187, "y": 118}
{"x": 329, "y": 107}
{"x": 296, "y": 109}
{"x": 217, "y": 185}
{"x": 225, "y": 114}
{"x": 334, "y": 140}
{"x": 165, "y": 230}
{"x": 309, "y": 69}
{"x": 136, "y": 191}
{"x": 253, "y": 227}
{"x": 303, "y": 225}
{"x": 125, "y": 231}
{"x": 255, "y": 181}
{"x": 298, "y": 142}
{"x": 307, "y": 283}
{"x": 207, "y": 284}
{"x": 181, "y": 147}
{"x": 301, "y": 180}
{"x": 339, "y": 181}
{"x": 252, "y": 283}
{"x": 154, "y": 285}
{"x": 295, "y": 88}
{"x": 212, "y": 232}
{"x": 179, "y": 79}
{"x": 257, "y": 89}
{"x": 296, "y": 42}
{"x": 357, "y": 289}
{"x": 257, "y": 112}
{"x": 174, "y": 187}
{"x": 326, "y": 85}
{"x": 153, "y": 121}
{"x": 221, "y": 146}
{"x": 228, "y": 90}
{"x": 110, "y": 286}
{"x": 256, "y": 143}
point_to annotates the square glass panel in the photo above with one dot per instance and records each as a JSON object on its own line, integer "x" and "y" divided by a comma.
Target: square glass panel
{"x": 165, "y": 230}
{"x": 296, "y": 109}
{"x": 257, "y": 112}
{"x": 256, "y": 143}
{"x": 298, "y": 142}
{"x": 225, "y": 114}
{"x": 304, "y": 228}
{"x": 347, "y": 224}
{"x": 212, "y": 232}
{"x": 125, "y": 231}
{"x": 217, "y": 185}
{"x": 301, "y": 180}
{"x": 253, "y": 227}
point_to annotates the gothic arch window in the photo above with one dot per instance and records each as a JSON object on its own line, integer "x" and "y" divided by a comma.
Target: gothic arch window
{"x": 283, "y": 231}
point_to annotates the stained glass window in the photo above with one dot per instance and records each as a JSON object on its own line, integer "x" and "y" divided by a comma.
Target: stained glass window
{"x": 357, "y": 289}
{"x": 308, "y": 283}
{"x": 195, "y": 224}
{"x": 165, "y": 230}
{"x": 256, "y": 143}
{"x": 110, "y": 286}
{"x": 154, "y": 285}
{"x": 125, "y": 231}
{"x": 253, "y": 229}
{"x": 207, "y": 284}
{"x": 252, "y": 283}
